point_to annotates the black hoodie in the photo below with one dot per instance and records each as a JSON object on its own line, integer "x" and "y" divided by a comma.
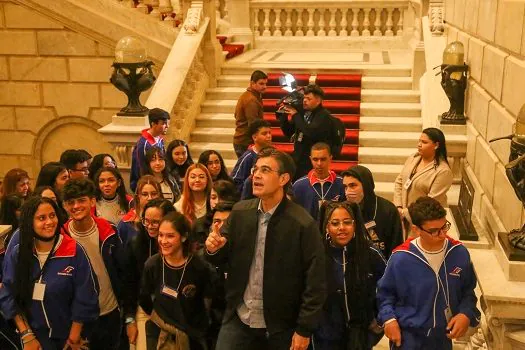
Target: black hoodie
{"x": 387, "y": 232}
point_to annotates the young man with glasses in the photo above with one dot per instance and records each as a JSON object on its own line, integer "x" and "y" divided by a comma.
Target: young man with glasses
{"x": 76, "y": 162}
{"x": 276, "y": 284}
{"x": 426, "y": 296}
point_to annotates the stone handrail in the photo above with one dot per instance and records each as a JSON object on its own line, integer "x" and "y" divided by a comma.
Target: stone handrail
{"x": 162, "y": 10}
{"x": 312, "y": 18}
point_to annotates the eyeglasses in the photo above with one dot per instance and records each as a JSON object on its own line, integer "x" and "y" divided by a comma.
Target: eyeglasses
{"x": 346, "y": 222}
{"x": 437, "y": 231}
{"x": 265, "y": 170}
{"x": 83, "y": 170}
{"x": 150, "y": 223}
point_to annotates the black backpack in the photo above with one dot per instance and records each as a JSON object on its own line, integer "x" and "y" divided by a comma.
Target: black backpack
{"x": 338, "y": 136}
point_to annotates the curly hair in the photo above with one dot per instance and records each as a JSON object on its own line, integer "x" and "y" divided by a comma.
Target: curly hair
{"x": 426, "y": 209}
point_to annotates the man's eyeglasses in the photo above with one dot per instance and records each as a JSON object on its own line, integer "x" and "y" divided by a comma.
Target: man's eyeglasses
{"x": 83, "y": 170}
{"x": 437, "y": 231}
{"x": 150, "y": 223}
{"x": 265, "y": 170}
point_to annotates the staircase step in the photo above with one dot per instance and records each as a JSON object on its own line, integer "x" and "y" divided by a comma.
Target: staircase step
{"x": 390, "y": 124}
{"x": 397, "y": 83}
{"x": 369, "y": 70}
{"x": 377, "y": 109}
{"x": 216, "y": 134}
{"x": 215, "y": 120}
{"x": 386, "y": 190}
{"x": 388, "y": 139}
{"x": 384, "y": 155}
{"x": 384, "y": 172}
{"x": 225, "y": 149}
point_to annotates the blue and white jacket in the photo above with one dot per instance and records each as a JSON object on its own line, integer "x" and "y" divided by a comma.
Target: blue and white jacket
{"x": 71, "y": 292}
{"x": 308, "y": 191}
{"x": 138, "y": 155}
{"x": 416, "y": 297}
{"x": 242, "y": 169}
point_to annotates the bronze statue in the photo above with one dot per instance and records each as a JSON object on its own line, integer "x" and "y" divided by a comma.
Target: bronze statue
{"x": 133, "y": 79}
{"x": 515, "y": 171}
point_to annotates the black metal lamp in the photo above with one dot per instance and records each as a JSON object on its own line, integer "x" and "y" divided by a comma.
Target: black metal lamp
{"x": 132, "y": 74}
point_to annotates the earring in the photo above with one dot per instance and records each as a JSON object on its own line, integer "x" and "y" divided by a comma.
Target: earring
{"x": 327, "y": 236}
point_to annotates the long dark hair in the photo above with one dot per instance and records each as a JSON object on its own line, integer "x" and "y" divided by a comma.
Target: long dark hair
{"x": 98, "y": 163}
{"x": 165, "y": 206}
{"x": 121, "y": 189}
{"x": 205, "y": 157}
{"x": 62, "y": 214}
{"x": 49, "y": 173}
{"x": 11, "y": 179}
{"x": 182, "y": 225}
{"x": 9, "y": 206}
{"x": 437, "y": 135}
{"x": 150, "y": 154}
{"x": 358, "y": 254}
{"x": 24, "y": 282}
{"x": 174, "y": 168}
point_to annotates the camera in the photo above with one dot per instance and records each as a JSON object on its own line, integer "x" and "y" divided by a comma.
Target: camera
{"x": 294, "y": 98}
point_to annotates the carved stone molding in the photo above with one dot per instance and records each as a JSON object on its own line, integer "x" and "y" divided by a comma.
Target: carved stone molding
{"x": 436, "y": 14}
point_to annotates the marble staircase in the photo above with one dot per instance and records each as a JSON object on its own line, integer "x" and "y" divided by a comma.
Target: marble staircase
{"x": 390, "y": 122}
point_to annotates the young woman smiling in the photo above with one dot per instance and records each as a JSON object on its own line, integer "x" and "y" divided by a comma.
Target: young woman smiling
{"x": 197, "y": 187}
{"x": 180, "y": 285}
{"x": 353, "y": 268}
{"x": 156, "y": 166}
{"x": 112, "y": 201}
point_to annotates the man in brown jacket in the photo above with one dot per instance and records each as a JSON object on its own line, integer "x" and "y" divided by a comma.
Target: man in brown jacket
{"x": 249, "y": 108}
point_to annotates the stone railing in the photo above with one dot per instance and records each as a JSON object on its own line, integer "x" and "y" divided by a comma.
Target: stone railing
{"x": 273, "y": 18}
{"x": 162, "y": 10}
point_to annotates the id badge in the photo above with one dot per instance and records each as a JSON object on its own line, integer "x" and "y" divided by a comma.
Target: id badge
{"x": 370, "y": 224}
{"x": 38, "y": 291}
{"x": 172, "y": 293}
{"x": 321, "y": 201}
{"x": 407, "y": 184}
{"x": 448, "y": 314}
{"x": 300, "y": 137}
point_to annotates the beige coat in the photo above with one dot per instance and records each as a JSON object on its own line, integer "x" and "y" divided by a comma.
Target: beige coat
{"x": 430, "y": 181}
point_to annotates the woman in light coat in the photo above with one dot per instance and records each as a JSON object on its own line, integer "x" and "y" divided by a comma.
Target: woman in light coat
{"x": 426, "y": 173}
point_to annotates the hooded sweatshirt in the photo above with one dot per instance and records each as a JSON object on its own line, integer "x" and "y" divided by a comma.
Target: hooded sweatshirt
{"x": 380, "y": 215}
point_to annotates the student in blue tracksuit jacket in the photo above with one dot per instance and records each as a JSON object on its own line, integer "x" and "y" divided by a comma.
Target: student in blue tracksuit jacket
{"x": 426, "y": 296}
{"x": 49, "y": 289}
{"x": 106, "y": 254}
{"x": 261, "y": 134}
{"x": 320, "y": 184}
{"x": 153, "y": 136}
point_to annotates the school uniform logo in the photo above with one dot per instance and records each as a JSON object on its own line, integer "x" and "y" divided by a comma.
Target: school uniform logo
{"x": 68, "y": 271}
{"x": 457, "y": 270}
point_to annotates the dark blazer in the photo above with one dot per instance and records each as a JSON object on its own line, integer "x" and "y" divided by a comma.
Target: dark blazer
{"x": 294, "y": 265}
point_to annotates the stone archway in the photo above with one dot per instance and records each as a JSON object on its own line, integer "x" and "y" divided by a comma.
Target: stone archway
{"x": 65, "y": 133}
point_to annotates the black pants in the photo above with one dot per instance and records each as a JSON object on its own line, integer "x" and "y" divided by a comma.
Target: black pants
{"x": 235, "y": 335}
{"x": 105, "y": 334}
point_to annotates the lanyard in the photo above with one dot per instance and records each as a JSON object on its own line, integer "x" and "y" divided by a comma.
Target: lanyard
{"x": 447, "y": 296}
{"x": 181, "y": 277}
{"x": 41, "y": 274}
{"x": 322, "y": 195}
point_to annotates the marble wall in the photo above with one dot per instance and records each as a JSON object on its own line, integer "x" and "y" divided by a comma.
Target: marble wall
{"x": 494, "y": 39}
{"x": 54, "y": 89}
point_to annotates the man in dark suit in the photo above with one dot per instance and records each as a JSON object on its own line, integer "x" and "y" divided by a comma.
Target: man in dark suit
{"x": 276, "y": 267}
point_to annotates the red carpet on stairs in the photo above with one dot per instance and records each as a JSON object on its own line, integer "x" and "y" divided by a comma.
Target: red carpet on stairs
{"x": 232, "y": 49}
{"x": 342, "y": 99}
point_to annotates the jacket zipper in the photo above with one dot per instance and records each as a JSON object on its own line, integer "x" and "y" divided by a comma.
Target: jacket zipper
{"x": 344, "y": 284}
{"x": 40, "y": 280}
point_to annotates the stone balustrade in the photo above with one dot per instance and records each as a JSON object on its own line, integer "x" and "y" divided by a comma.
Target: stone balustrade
{"x": 167, "y": 11}
{"x": 273, "y": 18}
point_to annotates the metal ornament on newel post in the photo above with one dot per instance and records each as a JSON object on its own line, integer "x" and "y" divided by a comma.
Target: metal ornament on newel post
{"x": 132, "y": 74}
{"x": 515, "y": 171}
{"x": 454, "y": 74}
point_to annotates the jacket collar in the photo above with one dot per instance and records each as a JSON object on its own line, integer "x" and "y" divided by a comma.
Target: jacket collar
{"x": 151, "y": 140}
{"x": 130, "y": 215}
{"x": 66, "y": 248}
{"x": 408, "y": 247}
{"x": 313, "y": 178}
{"x": 255, "y": 93}
{"x": 105, "y": 229}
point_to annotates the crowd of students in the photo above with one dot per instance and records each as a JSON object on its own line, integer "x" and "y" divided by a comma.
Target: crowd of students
{"x": 181, "y": 262}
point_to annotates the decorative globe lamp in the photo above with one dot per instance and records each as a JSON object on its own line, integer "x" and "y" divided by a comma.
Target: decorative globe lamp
{"x": 454, "y": 81}
{"x": 132, "y": 74}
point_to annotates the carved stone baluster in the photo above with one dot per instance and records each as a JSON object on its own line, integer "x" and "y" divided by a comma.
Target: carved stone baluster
{"x": 344, "y": 23}
{"x": 266, "y": 23}
{"x": 399, "y": 31}
{"x": 332, "y": 24}
{"x": 299, "y": 27}
{"x": 288, "y": 23}
{"x": 256, "y": 31}
{"x": 377, "y": 23}
{"x": 355, "y": 22}
{"x": 389, "y": 22}
{"x": 225, "y": 10}
{"x": 322, "y": 23}
{"x": 366, "y": 23}
{"x": 310, "y": 23}
{"x": 278, "y": 24}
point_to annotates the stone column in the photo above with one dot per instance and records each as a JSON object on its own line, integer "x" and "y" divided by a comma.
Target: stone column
{"x": 240, "y": 19}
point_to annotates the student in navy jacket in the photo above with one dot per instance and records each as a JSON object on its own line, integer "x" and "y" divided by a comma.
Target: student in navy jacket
{"x": 321, "y": 184}
{"x": 49, "y": 289}
{"x": 426, "y": 296}
{"x": 106, "y": 254}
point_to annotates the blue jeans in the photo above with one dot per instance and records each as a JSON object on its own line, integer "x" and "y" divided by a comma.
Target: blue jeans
{"x": 235, "y": 335}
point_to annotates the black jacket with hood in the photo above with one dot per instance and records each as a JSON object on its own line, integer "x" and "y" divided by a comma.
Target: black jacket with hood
{"x": 387, "y": 233}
